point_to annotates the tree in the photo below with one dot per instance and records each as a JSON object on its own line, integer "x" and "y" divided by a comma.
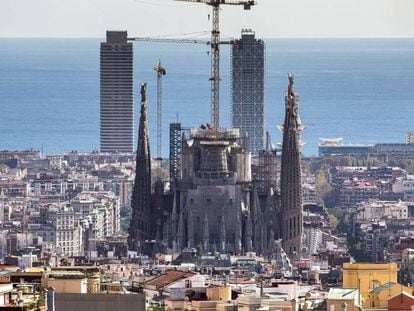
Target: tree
{"x": 329, "y": 162}
{"x": 322, "y": 187}
{"x": 333, "y": 221}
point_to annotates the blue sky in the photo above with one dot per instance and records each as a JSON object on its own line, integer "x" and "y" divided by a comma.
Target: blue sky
{"x": 270, "y": 18}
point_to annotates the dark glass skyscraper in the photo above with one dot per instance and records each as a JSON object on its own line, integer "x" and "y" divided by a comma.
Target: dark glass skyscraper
{"x": 247, "y": 89}
{"x": 117, "y": 103}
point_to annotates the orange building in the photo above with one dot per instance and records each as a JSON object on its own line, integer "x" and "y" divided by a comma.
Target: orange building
{"x": 401, "y": 302}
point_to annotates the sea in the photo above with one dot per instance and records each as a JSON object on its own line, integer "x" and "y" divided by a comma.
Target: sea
{"x": 359, "y": 89}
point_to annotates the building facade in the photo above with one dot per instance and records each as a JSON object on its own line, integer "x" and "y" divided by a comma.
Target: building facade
{"x": 117, "y": 104}
{"x": 408, "y": 188}
{"x": 58, "y": 227}
{"x": 353, "y": 193}
{"x": 336, "y": 146}
{"x": 247, "y": 89}
{"x": 214, "y": 205}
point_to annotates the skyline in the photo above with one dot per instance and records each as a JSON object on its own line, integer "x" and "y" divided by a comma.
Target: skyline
{"x": 370, "y": 75}
{"x": 290, "y": 19}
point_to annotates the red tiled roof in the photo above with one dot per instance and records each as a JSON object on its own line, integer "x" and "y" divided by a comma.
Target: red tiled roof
{"x": 7, "y": 267}
{"x": 169, "y": 277}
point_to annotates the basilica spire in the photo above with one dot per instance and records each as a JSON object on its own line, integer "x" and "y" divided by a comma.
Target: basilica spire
{"x": 140, "y": 229}
{"x": 290, "y": 176}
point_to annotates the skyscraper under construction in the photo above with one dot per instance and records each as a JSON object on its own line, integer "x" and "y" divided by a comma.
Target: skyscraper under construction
{"x": 247, "y": 89}
{"x": 117, "y": 104}
{"x": 290, "y": 176}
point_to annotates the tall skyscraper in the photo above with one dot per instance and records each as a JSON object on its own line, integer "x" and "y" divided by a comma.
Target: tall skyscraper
{"x": 140, "y": 228}
{"x": 290, "y": 176}
{"x": 247, "y": 89}
{"x": 117, "y": 104}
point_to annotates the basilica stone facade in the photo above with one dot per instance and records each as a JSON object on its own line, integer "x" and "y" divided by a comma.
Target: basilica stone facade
{"x": 215, "y": 207}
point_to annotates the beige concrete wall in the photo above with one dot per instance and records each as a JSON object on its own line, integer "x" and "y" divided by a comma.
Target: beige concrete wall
{"x": 67, "y": 286}
{"x": 204, "y": 305}
{"x": 337, "y": 305}
{"x": 94, "y": 285}
{"x": 219, "y": 293}
{"x": 174, "y": 305}
{"x": 226, "y": 306}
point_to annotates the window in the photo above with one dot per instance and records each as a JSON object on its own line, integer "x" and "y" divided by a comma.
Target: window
{"x": 375, "y": 284}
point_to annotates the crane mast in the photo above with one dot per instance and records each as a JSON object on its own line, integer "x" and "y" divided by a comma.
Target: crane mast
{"x": 160, "y": 72}
{"x": 215, "y": 52}
{"x": 215, "y": 68}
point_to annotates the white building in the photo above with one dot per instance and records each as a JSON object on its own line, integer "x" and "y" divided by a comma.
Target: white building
{"x": 68, "y": 233}
{"x": 60, "y": 230}
{"x": 309, "y": 192}
{"x": 408, "y": 188}
{"x": 101, "y": 209}
{"x": 407, "y": 259}
{"x": 313, "y": 240}
{"x": 376, "y": 210}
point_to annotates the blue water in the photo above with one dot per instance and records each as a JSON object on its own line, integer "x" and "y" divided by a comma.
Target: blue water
{"x": 359, "y": 89}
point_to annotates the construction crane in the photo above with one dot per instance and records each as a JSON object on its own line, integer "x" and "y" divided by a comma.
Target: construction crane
{"x": 169, "y": 40}
{"x": 160, "y": 73}
{"x": 215, "y": 51}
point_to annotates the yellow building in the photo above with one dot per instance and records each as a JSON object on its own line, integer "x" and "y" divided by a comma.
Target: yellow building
{"x": 367, "y": 276}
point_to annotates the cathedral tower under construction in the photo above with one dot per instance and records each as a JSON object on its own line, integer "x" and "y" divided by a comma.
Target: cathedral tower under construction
{"x": 290, "y": 176}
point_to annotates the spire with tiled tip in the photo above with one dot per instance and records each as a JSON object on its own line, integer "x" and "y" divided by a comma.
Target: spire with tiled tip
{"x": 290, "y": 176}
